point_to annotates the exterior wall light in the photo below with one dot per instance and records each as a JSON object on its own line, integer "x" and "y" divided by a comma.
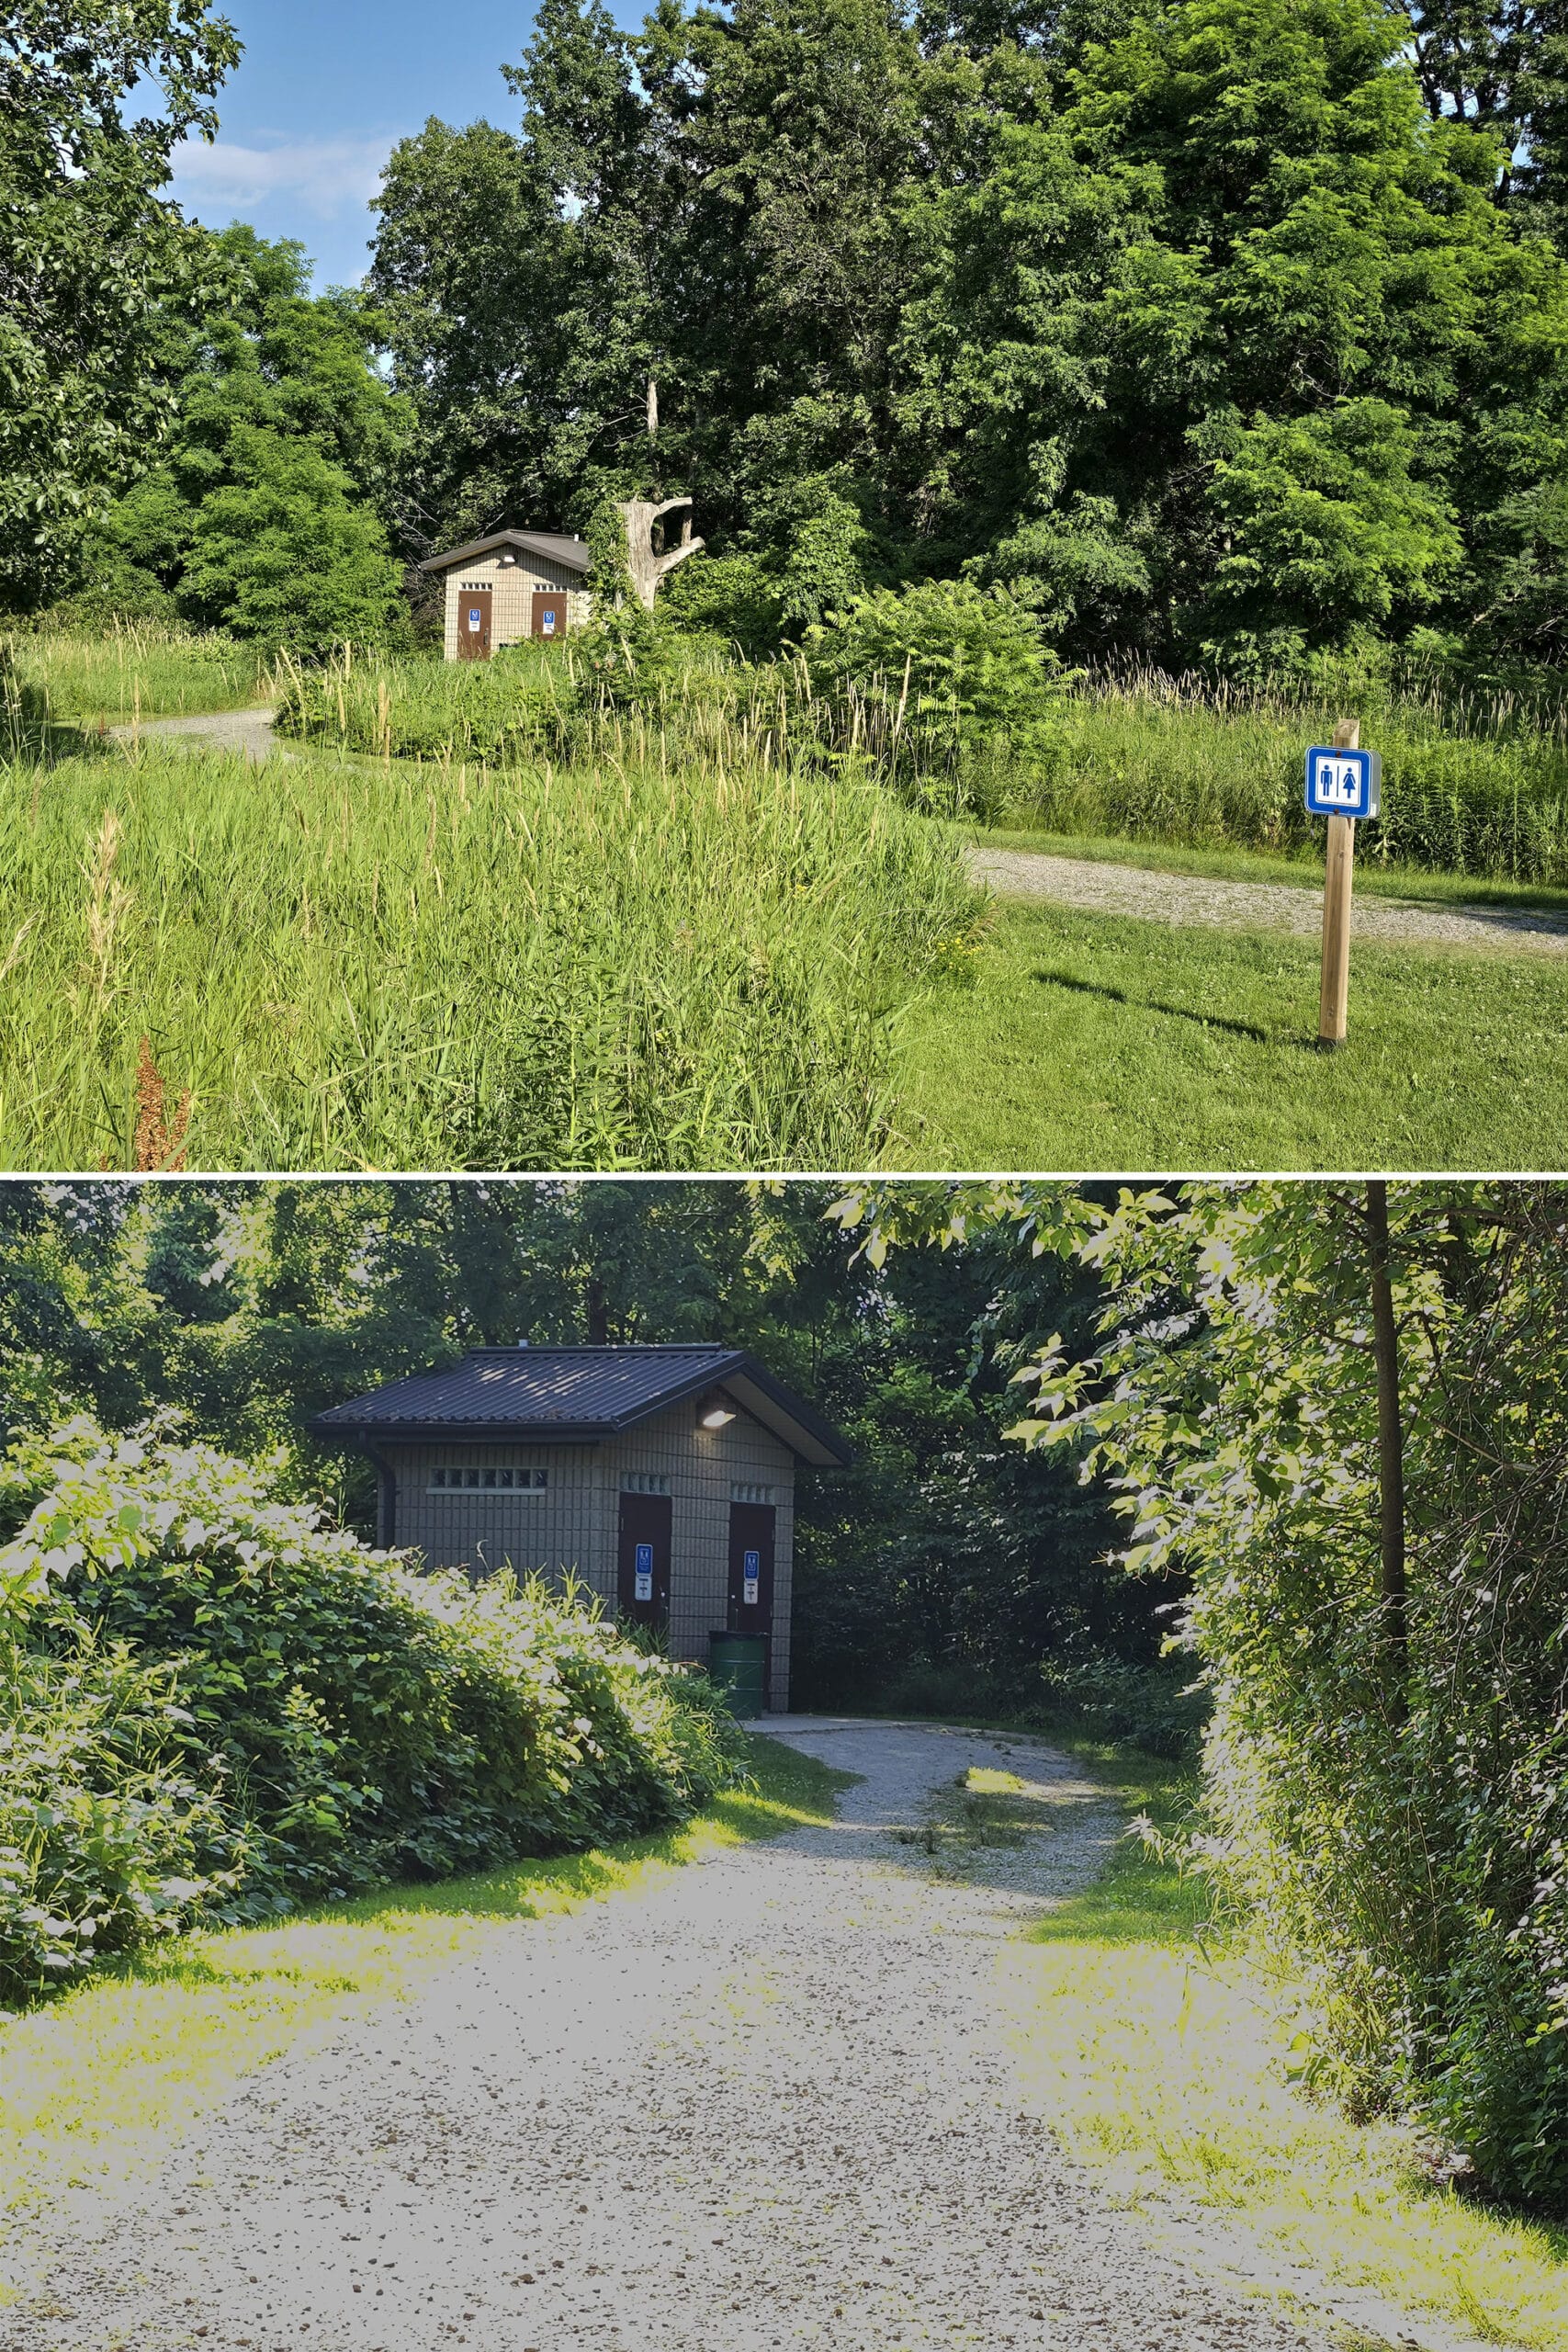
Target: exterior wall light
{"x": 714, "y": 1416}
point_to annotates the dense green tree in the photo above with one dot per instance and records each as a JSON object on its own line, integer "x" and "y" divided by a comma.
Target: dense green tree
{"x": 96, "y": 266}
{"x": 1338, "y": 1409}
{"x": 263, "y": 516}
{"x": 1503, "y": 64}
{"x": 1241, "y": 285}
{"x": 1198, "y": 325}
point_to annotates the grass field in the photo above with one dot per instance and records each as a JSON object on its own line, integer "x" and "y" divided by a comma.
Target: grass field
{"x": 341, "y": 965}
{"x": 1091, "y": 1041}
{"x": 1164, "y": 2056}
{"x": 134, "y": 669}
{"x": 95, "y": 2088}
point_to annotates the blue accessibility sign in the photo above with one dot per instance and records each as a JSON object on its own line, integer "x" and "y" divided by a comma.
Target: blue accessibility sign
{"x": 1343, "y": 784}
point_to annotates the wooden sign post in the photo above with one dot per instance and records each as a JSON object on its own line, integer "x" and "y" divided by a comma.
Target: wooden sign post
{"x": 1334, "y": 998}
{"x": 1342, "y": 783}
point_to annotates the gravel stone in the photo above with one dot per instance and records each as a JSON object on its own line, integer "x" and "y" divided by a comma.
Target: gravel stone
{"x": 1153, "y": 896}
{"x": 215, "y": 730}
{"x": 766, "y": 2103}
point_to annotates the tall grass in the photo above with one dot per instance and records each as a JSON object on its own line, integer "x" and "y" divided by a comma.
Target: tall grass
{"x": 127, "y": 669}
{"x": 336, "y": 966}
{"x": 1474, "y": 783}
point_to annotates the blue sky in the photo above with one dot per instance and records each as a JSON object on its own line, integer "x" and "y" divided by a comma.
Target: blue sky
{"x": 323, "y": 90}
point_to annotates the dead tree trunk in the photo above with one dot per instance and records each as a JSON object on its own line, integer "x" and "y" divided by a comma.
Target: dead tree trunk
{"x": 647, "y": 569}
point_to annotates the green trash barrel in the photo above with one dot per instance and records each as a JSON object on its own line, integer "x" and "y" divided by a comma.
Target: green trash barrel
{"x": 738, "y": 1663}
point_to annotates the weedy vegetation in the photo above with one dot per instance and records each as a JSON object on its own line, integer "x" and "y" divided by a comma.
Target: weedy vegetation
{"x": 453, "y": 966}
{"x": 123, "y": 670}
{"x": 1175, "y": 2060}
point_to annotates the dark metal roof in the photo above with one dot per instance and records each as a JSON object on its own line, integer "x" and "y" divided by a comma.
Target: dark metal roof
{"x": 577, "y": 1394}
{"x": 556, "y": 545}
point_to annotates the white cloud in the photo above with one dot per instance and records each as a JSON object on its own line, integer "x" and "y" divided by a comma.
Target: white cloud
{"x": 321, "y": 175}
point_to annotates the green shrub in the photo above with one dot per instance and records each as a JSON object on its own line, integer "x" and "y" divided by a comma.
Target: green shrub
{"x": 1155, "y": 1707}
{"x": 106, "y": 1838}
{"x": 730, "y": 597}
{"x": 357, "y": 1721}
{"x": 936, "y": 677}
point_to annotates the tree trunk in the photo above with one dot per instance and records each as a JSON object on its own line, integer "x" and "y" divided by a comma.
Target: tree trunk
{"x": 598, "y": 1314}
{"x": 646, "y": 570}
{"x": 652, "y": 410}
{"x": 1391, "y": 1453}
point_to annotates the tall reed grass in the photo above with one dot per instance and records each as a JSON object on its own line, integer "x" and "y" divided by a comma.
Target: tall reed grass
{"x": 127, "y": 669}
{"x": 339, "y": 965}
{"x": 1474, "y": 784}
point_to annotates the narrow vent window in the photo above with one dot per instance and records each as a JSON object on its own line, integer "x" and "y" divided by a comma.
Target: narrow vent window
{"x": 469, "y": 1477}
{"x": 741, "y": 1493}
{"x": 644, "y": 1482}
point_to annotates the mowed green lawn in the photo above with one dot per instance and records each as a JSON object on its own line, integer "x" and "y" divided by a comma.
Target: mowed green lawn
{"x": 1099, "y": 1042}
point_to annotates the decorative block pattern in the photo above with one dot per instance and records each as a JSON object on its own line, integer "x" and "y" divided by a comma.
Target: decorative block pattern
{"x": 512, "y": 587}
{"x": 571, "y": 1523}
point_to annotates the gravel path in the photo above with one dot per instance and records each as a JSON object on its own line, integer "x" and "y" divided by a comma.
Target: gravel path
{"x": 222, "y": 730}
{"x": 1255, "y": 906}
{"x": 766, "y": 2104}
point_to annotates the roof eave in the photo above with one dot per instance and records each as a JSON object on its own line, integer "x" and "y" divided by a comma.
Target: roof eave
{"x": 531, "y": 539}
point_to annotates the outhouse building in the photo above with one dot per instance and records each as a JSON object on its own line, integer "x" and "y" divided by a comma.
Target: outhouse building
{"x": 509, "y": 586}
{"x": 662, "y": 1477}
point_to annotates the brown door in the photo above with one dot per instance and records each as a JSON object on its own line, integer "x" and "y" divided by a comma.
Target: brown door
{"x": 642, "y": 1560}
{"x": 473, "y": 624}
{"x": 751, "y": 1569}
{"x": 549, "y": 612}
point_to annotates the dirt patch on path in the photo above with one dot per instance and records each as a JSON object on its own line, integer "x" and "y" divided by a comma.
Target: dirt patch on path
{"x": 250, "y": 731}
{"x": 1255, "y": 906}
{"x": 768, "y": 2105}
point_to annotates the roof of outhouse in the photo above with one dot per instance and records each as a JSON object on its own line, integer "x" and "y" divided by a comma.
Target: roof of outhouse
{"x": 574, "y": 1395}
{"x": 555, "y": 544}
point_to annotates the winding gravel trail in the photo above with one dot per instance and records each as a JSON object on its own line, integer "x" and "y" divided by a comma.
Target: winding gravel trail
{"x": 250, "y": 731}
{"x": 1158, "y": 896}
{"x": 766, "y": 2105}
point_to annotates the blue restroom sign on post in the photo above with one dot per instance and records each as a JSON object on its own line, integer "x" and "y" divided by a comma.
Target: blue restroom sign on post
{"x": 751, "y": 1577}
{"x": 644, "y": 1586}
{"x": 1343, "y": 784}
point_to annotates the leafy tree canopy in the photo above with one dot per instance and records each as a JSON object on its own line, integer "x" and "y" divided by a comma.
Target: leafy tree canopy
{"x": 261, "y": 517}
{"x": 1201, "y": 328}
{"x": 96, "y": 267}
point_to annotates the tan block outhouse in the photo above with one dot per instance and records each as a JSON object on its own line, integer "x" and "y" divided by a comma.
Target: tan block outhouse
{"x": 663, "y": 1477}
{"x": 513, "y": 585}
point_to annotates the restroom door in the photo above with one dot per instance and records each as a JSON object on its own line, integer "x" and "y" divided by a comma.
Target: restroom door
{"x": 473, "y": 624}
{"x": 751, "y": 1568}
{"x": 642, "y": 1561}
{"x": 549, "y": 612}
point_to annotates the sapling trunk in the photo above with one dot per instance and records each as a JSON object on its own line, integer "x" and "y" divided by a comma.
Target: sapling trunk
{"x": 1391, "y": 1454}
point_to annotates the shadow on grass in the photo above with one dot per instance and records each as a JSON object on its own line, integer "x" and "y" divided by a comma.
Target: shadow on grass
{"x": 1150, "y": 1004}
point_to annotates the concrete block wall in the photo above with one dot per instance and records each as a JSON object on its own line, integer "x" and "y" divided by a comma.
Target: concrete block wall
{"x": 573, "y": 1523}
{"x": 512, "y": 603}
